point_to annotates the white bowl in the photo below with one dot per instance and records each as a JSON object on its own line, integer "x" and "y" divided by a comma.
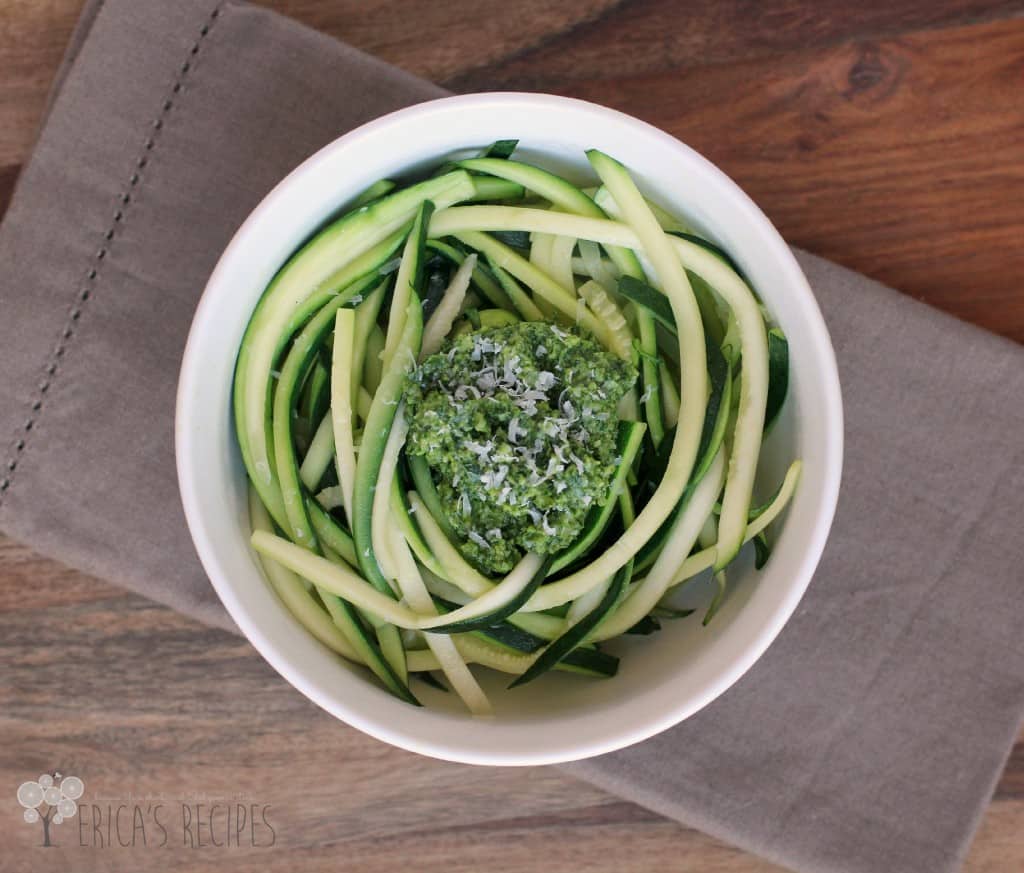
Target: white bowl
{"x": 663, "y": 678}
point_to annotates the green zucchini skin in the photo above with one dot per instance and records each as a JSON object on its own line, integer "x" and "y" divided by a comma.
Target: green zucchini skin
{"x": 586, "y": 659}
{"x": 346, "y": 617}
{"x": 408, "y": 287}
{"x": 303, "y": 352}
{"x": 512, "y": 637}
{"x": 515, "y": 239}
{"x": 519, "y": 300}
{"x": 321, "y": 267}
{"x": 555, "y": 609}
{"x": 650, "y": 299}
{"x": 712, "y": 435}
{"x": 650, "y": 377}
{"x": 589, "y": 662}
{"x": 759, "y": 510}
{"x": 718, "y": 252}
{"x": 655, "y": 303}
{"x": 502, "y": 612}
{"x": 375, "y": 436}
{"x": 330, "y": 533}
{"x": 630, "y": 441}
{"x": 482, "y": 280}
{"x": 313, "y": 401}
{"x": 558, "y": 649}
{"x": 502, "y": 632}
{"x": 501, "y": 149}
{"x": 648, "y": 625}
{"x": 762, "y": 551}
{"x": 431, "y": 680}
{"x": 374, "y": 192}
{"x": 778, "y": 376}
{"x": 488, "y": 189}
{"x": 389, "y": 638}
{"x": 540, "y": 182}
{"x": 423, "y": 479}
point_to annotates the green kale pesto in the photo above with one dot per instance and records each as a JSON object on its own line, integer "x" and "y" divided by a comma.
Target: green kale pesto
{"x": 518, "y": 425}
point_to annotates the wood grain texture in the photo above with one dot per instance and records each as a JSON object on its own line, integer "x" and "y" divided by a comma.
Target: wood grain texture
{"x": 660, "y": 36}
{"x": 207, "y": 719}
{"x": 208, "y": 722}
{"x": 33, "y": 34}
{"x": 888, "y": 136}
{"x": 901, "y": 158}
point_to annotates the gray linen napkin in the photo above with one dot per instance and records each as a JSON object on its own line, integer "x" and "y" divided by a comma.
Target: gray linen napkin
{"x": 868, "y": 738}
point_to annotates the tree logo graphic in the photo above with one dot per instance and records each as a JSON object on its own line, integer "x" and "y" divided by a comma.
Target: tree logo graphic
{"x": 50, "y": 799}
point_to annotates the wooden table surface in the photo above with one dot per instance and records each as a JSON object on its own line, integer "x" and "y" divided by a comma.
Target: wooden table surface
{"x": 887, "y": 135}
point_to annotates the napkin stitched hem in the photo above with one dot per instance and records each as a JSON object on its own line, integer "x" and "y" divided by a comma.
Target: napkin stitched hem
{"x": 83, "y": 296}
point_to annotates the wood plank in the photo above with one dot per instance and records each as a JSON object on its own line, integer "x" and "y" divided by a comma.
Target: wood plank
{"x": 492, "y": 44}
{"x": 29, "y": 582}
{"x": 208, "y": 721}
{"x": 436, "y": 40}
{"x": 8, "y": 179}
{"x": 997, "y": 846}
{"x": 443, "y": 40}
{"x": 903, "y": 159}
{"x": 660, "y": 36}
{"x": 33, "y": 34}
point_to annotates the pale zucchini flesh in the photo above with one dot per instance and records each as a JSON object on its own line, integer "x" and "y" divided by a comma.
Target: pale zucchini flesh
{"x": 373, "y": 569}
{"x": 375, "y": 434}
{"x": 342, "y": 413}
{"x": 749, "y": 324}
{"x": 681, "y": 539}
{"x": 316, "y": 264}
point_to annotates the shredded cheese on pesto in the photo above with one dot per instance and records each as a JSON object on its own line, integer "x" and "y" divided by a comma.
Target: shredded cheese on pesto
{"x": 518, "y": 426}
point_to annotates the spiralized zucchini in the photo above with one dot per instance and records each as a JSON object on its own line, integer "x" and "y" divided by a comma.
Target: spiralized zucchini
{"x": 355, "y": 529}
